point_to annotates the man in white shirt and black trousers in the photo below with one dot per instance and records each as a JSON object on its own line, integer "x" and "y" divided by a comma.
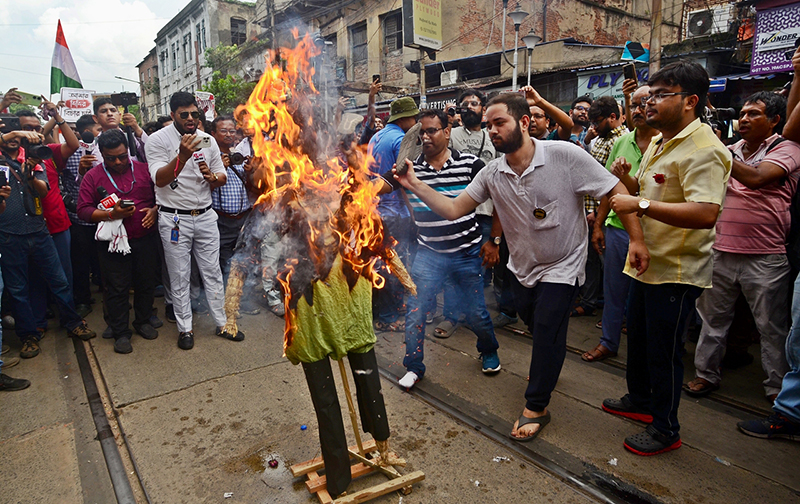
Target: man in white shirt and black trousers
{"x": 186, "y": 166}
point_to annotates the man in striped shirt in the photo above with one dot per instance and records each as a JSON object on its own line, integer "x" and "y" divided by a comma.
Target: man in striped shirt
{"x": 448, "y": 250}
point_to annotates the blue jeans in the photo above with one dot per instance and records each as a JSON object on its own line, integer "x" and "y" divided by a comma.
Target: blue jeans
{"x": 657, "y": 316}
{"x": 430, "y": 271}
{"x": 17, "y": 251}
{"x": 788, "y": 401}
{"x": 38, "y": 287}
{"x": 616, "y": 285}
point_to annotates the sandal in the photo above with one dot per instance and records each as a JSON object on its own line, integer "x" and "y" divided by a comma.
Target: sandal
{"x": 398, "y": 326}
{"x": 445, "y": 329}
{"x": 598, "y": 353}
{"x": 523, "y": 420}
{"x": 580, "y": 311}
{"x": 382, "y": 326}
{"x": 699, "y": 387}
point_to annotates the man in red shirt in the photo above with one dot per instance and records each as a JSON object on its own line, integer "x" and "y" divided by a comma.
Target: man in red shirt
{"x": 130, "y": 181}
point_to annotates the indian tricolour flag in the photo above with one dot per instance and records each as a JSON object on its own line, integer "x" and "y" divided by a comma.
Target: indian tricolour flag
{"x": 63, "y": 72}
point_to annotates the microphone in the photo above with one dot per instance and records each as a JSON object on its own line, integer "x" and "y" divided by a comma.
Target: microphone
{"x": 107, "y": 201}
{"x": 87, "y": 142}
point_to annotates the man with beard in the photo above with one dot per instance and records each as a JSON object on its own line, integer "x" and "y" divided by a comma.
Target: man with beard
{"x": 579, "y": 113}
{"x": 538, "y": 190}
{"x": 682, "y": 181}
{"x": 187, "y": 226}
{"x": 623, "y": 162}
{"x": 449, "y": 252}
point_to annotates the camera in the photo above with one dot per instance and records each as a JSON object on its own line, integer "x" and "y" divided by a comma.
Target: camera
{"x": 453, "y": 111}
{"x": 238, "y": 158}
{"x": 721, "y": 114}
{"x": 789, "y": 54}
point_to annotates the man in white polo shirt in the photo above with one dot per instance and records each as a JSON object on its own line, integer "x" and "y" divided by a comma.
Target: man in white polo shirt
{"x": 185, "y": 164}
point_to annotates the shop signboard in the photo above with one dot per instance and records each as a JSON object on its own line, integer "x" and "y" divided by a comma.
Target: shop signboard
{"x": 606, "y": 82}
{"x": 422, "y": 24}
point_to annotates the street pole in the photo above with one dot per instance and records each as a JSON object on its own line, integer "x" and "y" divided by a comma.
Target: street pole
{"x": 529, "y": 66}
{"x": 655, "y": 37}
{"x": 197, "y": 61}
{"x": 516, "y": 51}
{"x": 423, "y": 100}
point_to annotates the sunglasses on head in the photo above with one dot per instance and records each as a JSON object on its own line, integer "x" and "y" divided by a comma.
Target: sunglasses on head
{"x": 185, "y": 115}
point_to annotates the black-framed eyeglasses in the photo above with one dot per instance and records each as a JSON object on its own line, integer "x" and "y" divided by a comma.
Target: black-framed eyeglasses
{"x": 580, "y": 108}
{"x": 538, "y": 116}
{"x": 641, "y": 104}
{"x": 185, "y": 115}
{"x": 37, "y": 129}
{"x": 430, "y": 131}
{"x": 660, "y": 96}
{"x": 123, "y": 158}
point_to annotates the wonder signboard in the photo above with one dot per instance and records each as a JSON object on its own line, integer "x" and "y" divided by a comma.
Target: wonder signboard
{"x": 776, "y": 32}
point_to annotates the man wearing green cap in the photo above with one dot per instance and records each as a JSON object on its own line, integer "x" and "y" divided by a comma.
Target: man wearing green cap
{"x": 384, "y": 148}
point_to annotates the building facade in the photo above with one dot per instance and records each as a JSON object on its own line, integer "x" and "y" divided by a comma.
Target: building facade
{"x": 182, "y": 42}
{"x": 149, "y": 90}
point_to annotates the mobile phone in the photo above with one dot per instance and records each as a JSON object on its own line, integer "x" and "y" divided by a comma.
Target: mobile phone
{"x": 30, "y": 99}
{"x": 10, "y": 123}
{"x": 3, "y": 180}
{"x": 205, "y": 142}
{"x": 629, "y": 71}
{"x": 376, "y": 78}
{"x": 126, "y": 203}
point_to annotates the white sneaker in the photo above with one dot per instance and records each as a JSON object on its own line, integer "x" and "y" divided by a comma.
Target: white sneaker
{"x": 408, "y": 380}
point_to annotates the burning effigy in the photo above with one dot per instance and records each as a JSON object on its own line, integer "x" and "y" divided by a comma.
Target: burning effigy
{"x": 317, "y": 218}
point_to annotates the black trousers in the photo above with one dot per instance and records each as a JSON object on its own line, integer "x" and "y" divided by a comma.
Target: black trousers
{"x": 545, "y": 310}
{"x": 121, "y": 272}
{"x": 371, "y": 407}
{"x": 83, "y": 251}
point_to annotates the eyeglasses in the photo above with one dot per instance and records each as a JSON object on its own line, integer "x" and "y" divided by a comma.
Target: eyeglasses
{"x": 580, "y": 108}
{"x": 538, "y": 116}
{"x": 123, "y": 158}
{"x": 185, "y": 115}
{"x": 226, "y": 131}
{"x": 430, "y": 132}
{"x": 37, "y": 129}
{"x": 641, "y": 104}
{"x": 470, "y": 104}
{"x": 597, "y": 121}
{"x": 656, "y": 98}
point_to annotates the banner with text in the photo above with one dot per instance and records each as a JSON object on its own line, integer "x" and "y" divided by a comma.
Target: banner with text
{"x": 776, "y": 32}
{"x": 422, "y": 24}
{"x": 77, "y": 102}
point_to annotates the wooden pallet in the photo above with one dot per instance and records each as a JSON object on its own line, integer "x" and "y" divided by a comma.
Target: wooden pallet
{"x": 316, "y": 484}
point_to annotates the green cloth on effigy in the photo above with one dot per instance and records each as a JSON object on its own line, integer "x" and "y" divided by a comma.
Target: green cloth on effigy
{"x": 339, "y": 322}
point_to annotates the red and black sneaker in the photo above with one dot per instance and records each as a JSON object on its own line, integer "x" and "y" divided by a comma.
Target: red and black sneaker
{"x": 625, "y": 408}
{"x": 651, "y": 442}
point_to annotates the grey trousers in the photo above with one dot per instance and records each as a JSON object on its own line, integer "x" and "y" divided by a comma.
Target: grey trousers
{"x": 199, "y": 238}
{"x": 764, "y": 282}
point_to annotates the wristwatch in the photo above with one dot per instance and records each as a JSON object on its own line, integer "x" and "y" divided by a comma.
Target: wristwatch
{"x": 496, "y": 240}
{"x": 644, "y": 204}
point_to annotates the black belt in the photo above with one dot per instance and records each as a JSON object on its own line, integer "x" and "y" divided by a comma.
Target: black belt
{"x": 237, "y": 216}
{"x": 193, "y": 213}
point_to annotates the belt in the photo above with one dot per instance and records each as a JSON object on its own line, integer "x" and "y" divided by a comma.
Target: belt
{"x": 193, "y": 213}
{"x": 240, "y": 215}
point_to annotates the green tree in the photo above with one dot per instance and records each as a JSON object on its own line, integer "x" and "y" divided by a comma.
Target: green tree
{"x": 222, "y": 58}
{"x": 229, "y": 91}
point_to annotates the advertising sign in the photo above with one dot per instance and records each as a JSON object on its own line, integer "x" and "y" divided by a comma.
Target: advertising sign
{"x": 422, "y": 24}
{"x": 776, "y": 31}
{"x": 77, "y": 102}
{"x": 606, "y": 82}
{"x": 205, "y": 102}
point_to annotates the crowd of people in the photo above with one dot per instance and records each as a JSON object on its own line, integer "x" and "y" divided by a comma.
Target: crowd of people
{"x": 638, "y": 208}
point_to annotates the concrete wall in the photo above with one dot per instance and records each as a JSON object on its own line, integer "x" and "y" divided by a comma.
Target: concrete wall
{"x": 148, "y": 74}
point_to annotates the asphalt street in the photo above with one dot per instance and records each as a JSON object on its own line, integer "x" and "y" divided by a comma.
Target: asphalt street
{"x": 202, "y": 425}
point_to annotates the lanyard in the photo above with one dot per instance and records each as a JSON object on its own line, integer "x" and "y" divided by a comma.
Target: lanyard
{"x": 133, "y": 180}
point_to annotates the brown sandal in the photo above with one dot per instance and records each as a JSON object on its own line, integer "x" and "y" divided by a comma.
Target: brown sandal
{"x": 597, "y": 354}
{"x": 699, "y": 387}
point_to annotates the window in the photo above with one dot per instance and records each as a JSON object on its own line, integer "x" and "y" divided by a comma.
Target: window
{"x": 148, "y": 73}
{"x": 331, "y": 50}
{"x": 358, "y": 43}
{"x": 197, "y": 38}
{"x": 187, "y": 48}
{"x": 238, "y": 31}
{"x": 393, "y": 31}
{"x": 174, "y": 57}
{"x": 203, "y": 35}
{"x": 163, "y": 58}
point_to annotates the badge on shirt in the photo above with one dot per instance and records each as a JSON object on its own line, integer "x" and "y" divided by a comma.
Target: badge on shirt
{"x": 174, "y": 184}
{"x": 539, "y": 213}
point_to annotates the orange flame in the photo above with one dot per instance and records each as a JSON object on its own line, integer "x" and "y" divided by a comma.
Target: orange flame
{"x": 339, "y": 198}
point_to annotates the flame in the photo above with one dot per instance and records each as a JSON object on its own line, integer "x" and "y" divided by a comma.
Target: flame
{"x": 291, "y": 169}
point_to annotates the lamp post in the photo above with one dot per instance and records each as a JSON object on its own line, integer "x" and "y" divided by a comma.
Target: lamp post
{"x": 517, "y": 16}
{"x": 530, "y": 40}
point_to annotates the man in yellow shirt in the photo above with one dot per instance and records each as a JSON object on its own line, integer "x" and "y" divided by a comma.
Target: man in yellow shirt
{"x": 682, "y": 182}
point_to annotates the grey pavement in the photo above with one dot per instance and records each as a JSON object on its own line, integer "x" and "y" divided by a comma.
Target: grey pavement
{"x": 205, "y": 422}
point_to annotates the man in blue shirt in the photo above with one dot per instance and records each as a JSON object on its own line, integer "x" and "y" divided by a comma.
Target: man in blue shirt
{"x": 384, "y": 147}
